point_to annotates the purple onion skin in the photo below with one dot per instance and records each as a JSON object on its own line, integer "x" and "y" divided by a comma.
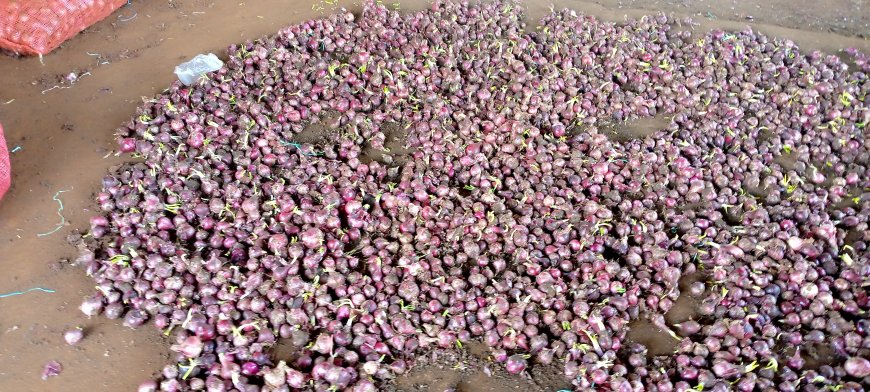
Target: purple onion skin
{"x": 51, "y": 369}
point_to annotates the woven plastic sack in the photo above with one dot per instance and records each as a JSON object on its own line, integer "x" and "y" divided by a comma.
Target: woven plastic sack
{"x": 40, "y": 26}
{"x": 5, "y": 166}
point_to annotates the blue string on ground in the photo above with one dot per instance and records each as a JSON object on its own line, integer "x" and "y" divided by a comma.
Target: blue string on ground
{"x": 14, "y": 293}
{"x": 299, "y": 147}
{"x": 62, "y": 219}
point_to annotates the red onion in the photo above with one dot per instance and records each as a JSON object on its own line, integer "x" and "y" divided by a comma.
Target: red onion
{"x": 190, "y": 347}
{"x": 515, "y": 364}
{"x": 857, "y": 367}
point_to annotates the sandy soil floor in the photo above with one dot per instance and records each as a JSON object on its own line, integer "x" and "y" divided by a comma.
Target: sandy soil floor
{"x": 62, "y": 135}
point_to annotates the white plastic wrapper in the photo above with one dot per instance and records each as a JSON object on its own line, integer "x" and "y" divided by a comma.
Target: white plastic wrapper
{"x": 191, "y": 71}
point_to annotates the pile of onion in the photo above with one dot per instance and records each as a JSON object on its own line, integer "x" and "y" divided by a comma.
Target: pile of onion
{"x": 466, "y": 187}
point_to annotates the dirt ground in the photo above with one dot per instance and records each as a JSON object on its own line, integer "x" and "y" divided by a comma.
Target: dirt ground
{"x": 61, "y": 133}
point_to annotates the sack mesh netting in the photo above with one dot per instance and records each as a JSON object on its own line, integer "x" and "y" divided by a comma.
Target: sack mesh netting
{"x": 40, "y": 26}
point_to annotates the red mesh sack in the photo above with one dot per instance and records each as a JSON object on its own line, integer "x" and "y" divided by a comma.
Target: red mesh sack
{"x": 40, "y": 26}
{"x": 5, "y": 166}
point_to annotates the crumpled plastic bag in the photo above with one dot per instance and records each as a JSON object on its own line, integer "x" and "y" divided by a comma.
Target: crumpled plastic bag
{"x": 189, "y": 72}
